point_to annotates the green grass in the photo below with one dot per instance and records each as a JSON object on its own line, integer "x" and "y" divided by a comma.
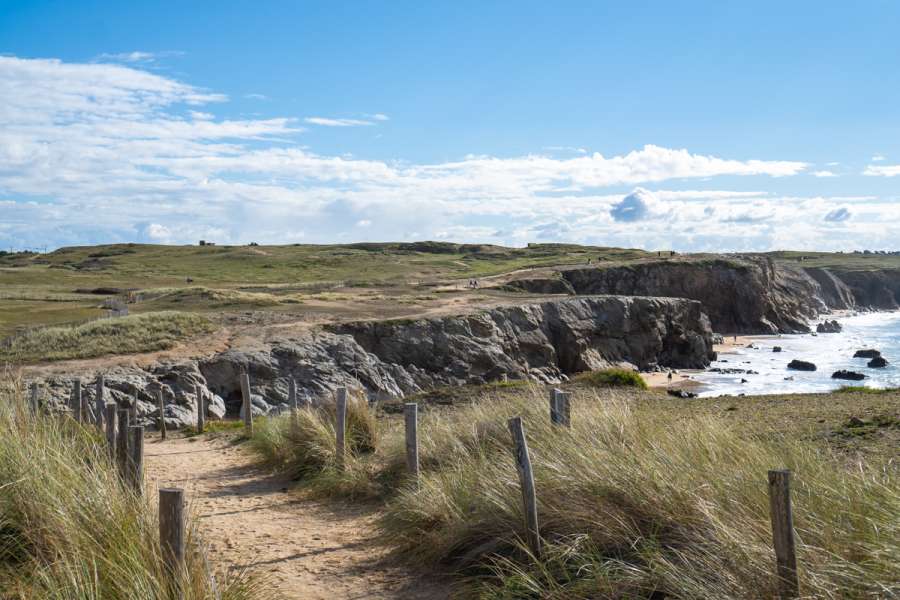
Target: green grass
{"x": 146, "y": 332}
{"x": 635, "y": 501}
{"x": 69, "y": 529}
{"x": 613, "y": 377}
{"x": 861, "y": 389}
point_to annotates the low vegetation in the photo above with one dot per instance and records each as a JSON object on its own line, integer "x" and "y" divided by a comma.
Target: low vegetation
{"x": 633, "y": 501}
{"x": 70, "y": 529}
{"x": 146, "y": 332}
{"x": 613, "y": 377}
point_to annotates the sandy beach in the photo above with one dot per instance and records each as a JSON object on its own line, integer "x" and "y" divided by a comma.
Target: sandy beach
{"x": 684, "y": 377}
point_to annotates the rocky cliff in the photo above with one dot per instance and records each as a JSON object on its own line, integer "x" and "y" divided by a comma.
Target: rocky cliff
{"x": 741, "y": 294}
{"x": 544, "y": 341}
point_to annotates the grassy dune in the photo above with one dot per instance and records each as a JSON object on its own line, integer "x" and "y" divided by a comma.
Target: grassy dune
{"x": 146, "y": 332}
{"x": 69, "y": 529}
{"x": 634, "y": 502}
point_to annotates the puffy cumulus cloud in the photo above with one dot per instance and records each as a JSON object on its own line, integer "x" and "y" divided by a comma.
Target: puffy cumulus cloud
{"x": 882, "y": 170}
{"x": 108, "y": 152}
{"x": 838, "y": 215}
{"x": 824, "y": 173}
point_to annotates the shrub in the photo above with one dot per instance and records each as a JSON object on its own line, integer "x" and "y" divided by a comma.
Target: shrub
{"x": 613, "y": 377}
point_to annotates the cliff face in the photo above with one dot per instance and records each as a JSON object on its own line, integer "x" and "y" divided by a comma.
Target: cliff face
{"x": 544, "y": 342}
{"x": 747, "y": 294}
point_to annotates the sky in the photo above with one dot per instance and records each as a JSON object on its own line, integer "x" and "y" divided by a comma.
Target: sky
{"x": 695, "y": 126}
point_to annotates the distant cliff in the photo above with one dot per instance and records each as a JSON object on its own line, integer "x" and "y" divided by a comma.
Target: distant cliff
{"x": 741, "y": 294}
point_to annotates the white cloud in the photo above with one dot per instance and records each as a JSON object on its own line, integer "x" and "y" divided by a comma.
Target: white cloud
{"x": 824, "y": 174}
{"x": 326, "y": 122}
{"x": 882, "y": 170}
{"x": 107, "y": 152}
{"x": 138, "y": 57}
{"x": 379, "y": 117}
{"x": 877, "y": 158}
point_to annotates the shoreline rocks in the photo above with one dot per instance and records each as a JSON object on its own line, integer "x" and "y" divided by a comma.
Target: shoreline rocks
{"x": 829, "y": 327}
{"x": 801, "y": 365}
{"x": 878, "y": 362}
{"x": 850, "y": 375}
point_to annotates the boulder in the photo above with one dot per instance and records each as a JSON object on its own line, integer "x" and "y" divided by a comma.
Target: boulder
{"x": 681, "y": 393}
{"x": 845, "y": 374}
{"x": 878, "y": 362}
{"x": 801, "y": 365}
{"x": 829, "y": 327}
{"x": 776, "y": 349}
{"x": 870, "y": 353}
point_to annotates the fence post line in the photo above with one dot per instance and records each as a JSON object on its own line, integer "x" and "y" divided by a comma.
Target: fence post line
{"x": 248, "y": 406}
{"x": 78, "y": 400}
{"x": 411, "y": 420}
{"x": 136, "y": 459}
{"x": 526, "y": 480}
{"x": 99, "y": 402}
{"x": 783, "y": 533}
{"x": 171, "y": 531}
{"x": 122, "y": 453}
{"x": 340, "y": 426}
{"x": 111, "y": 430}
{"x": 201, "y": 409}
{"x": 162, "y": 414}
{"x": 34, "y": 397}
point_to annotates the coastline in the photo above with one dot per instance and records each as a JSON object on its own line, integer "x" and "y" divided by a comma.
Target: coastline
{"x": 683, "y": 379}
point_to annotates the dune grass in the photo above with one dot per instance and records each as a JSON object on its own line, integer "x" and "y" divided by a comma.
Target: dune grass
{"x": 70, "y": 530}
{"x": 632, "y": 503}
{"x": 612, "y": 377}
{"x": 147, "y": 332}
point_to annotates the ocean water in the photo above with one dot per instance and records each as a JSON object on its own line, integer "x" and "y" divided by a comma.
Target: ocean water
{"x": 829, "y": 351}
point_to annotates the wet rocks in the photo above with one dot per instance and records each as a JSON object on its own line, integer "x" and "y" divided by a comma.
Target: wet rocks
{"x": 681, "y": 393}
{"x": 878, "y": 362}
{"x": 801, "y": 365}
{"x": 869, "y": 353}
{"x": 829, "y": 327}
{"x": 776, "y": 349}
{"x": 850, "y": 375}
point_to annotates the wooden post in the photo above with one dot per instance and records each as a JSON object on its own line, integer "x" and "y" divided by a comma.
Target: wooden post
{"x": 122, "y": 454}
{"x": 111, "y": 430}
{"x": 99, "y": 402}
{"x": 171, "y": 530}
{"x": 162, "y": 414}
{"x": 201, "y": 409}
{"x": 554, "y": 406}
{"x": 136, "y": 462}
{"x": 783, "y": 533}
{"x": 133, "y": 409}
{"x": 34, "y": 397}
{"x": 292, "y": 402}
{"x": 248, "y": 406}
{"x": 78, "y": 402}
{"x": 411, "y": 414}
{"x": 564, "y": 408}
{"x": 340, "y": 426}
{"x": 526, "y": 480}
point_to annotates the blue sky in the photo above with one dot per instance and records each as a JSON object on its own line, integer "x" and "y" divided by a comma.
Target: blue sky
{"x": 693, "y": 125}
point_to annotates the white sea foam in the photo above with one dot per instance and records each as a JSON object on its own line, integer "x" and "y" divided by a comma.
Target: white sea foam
{"x": 829, "y": 351}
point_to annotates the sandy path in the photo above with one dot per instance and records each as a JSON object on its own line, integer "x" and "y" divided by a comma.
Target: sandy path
{"x": 249, "y": 521}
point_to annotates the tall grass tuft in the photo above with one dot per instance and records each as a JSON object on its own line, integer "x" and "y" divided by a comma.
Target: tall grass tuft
{"x": 70, "y": 529}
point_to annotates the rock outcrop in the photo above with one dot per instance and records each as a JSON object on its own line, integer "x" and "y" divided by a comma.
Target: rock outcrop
{"x": 544, "y": 341}
{"x": 827, "y": 326}
{"x": 801, "y": 365}
{"x": 850, "y": 375}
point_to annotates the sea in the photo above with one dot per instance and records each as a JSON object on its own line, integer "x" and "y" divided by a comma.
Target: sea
{"x": 830, "y": 352}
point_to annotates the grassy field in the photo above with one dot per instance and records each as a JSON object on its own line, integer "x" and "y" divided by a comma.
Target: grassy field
{"x": 146, "y": 332}
{"x": 69, "y": 528}
{"x": 646, "y": 495}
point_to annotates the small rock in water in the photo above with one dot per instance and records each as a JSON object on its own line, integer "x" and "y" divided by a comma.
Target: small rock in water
{"x": 829, "y": 327}
{"x": 878, "y": 362}
{"x": 845, "y": 374}
{"x": 870, "y": 353}
{"x": 744, "y": 381}
{"x": 776, "y": 349}
{"x": 801, "y": 365}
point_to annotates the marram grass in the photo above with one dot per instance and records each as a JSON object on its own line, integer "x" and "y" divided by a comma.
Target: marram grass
{"x": 70, "y": 530}
{"x": 633, "y": 503}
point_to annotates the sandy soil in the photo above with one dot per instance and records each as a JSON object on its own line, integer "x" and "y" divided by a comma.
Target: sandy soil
{"x": 250, "y": 521}
{"x": 684, "y": 377}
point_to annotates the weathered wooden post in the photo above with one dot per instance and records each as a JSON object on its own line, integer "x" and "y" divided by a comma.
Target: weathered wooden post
{"x": 99, "y": 402}
{"x": 78, "y": 402}
{"x": 35, "y": 401}
{"x": 171, "y": 531}
{"x": 111, "y": 429}
{"x": 340, "y": 426}
{"x": 783, "y": 533}
{"x": 248, "y": 406}
{"x": 410, "y": 416}
{"x": 162, "y": 414}
{"x": 133, "y": 408}
{"x": 122, "y": 453}
{"x": 526, "y": 480}
{"x": 554, "y": 405}
{"x": 292, "y": 402}
{"x": 201, "y": 409}
{"x": 136, "y": 460}
{"x": 564, "y": 408}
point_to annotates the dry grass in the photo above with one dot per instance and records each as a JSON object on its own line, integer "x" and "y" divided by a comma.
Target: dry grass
{"x": 148, "y": 332}
{"x": 69, "y": 529}
{"x": 633, "y": 503}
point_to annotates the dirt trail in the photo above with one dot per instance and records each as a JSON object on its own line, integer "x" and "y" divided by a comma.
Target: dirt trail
{"x": 249, "y": 521}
